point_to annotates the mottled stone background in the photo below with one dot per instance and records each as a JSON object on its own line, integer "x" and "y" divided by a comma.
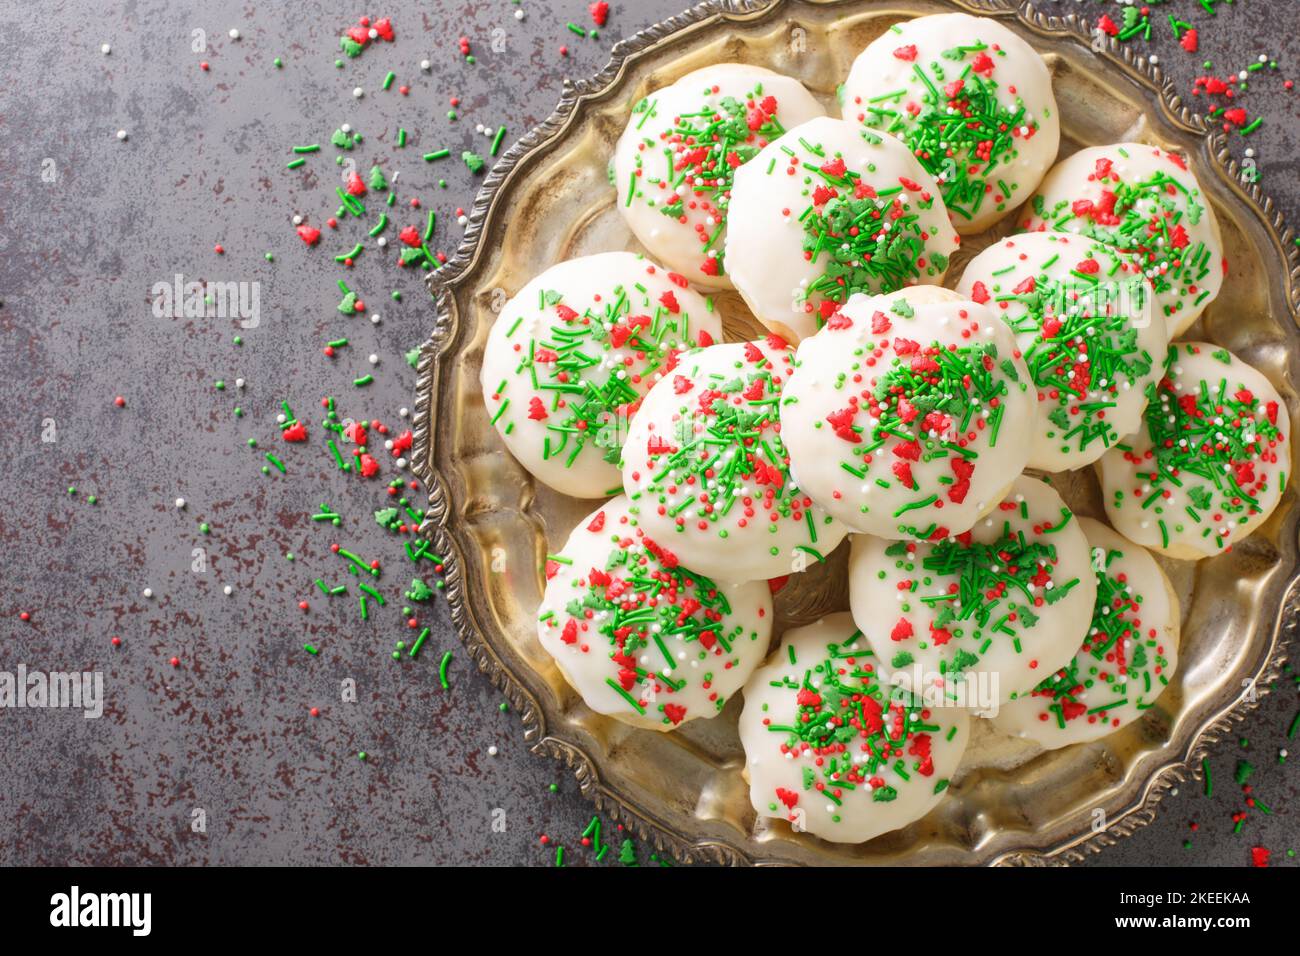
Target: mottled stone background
{"x": 89, "y": 224}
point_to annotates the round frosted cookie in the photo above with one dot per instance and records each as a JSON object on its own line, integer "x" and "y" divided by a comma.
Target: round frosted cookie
{"x": 571, "y": 355}
{"x": 1208, "y": 464}
{"x": 1080, "y": 311}
{"x": 971, "y": 100}
{"x": 705, "y": 467}
{"x": 1144, "y": 200}
{"x": 640, "y": 637}
{"x": 674, "y": 164}
{"x": 989, "y": 612}
{"x": 834, "y": 751}
{"x": 828, "y": 210}
{"x": 1125, "y": 662}
{"x": 907, "y": 414}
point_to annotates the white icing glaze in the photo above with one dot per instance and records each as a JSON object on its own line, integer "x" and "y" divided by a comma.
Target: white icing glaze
{"x": 1226, "y": 470}
{"x": 714, "y": 634}
{"x": 532, "y": 328}
{"x": 784, "y": 768}
{"x": 926, "y": 80}
{"x": 1125, "y": 662}
{"x": 746, "y": 106}
{"x": 755, "y": 522}
{"x": 776, "y": 197}
{"x": 928, "y": 461}
{"x": 926, "y": 606}
{"x": 1085, "y": 321}
{"x": 1185, "y": 282}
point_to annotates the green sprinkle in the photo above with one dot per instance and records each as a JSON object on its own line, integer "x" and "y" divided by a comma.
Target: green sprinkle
{"x": 442, "y": 671}
{"x": 352, "y": 254}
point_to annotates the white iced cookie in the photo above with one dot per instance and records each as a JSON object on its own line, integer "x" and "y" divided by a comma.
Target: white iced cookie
{"x": 907, "y": 414}
{"x": 707, "y": 472}
{"x": 828, "y": 210}
{"x": 985, "y": 615}
{"x": 1125, "y": 662}
{"x": 832, "y": 750}
{"x": 640, "y": 637}
{"x": 1144, "y": 200}
{"x": 973, "y": 102}
{"x": 1209, "y": 462}
{"x": 674, "y": 164}
{"x": 1083, "y": 318}
{"x": 571, "y": 355}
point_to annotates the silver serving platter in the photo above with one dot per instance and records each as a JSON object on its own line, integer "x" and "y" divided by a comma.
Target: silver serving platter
{"x": 548, "y": 199}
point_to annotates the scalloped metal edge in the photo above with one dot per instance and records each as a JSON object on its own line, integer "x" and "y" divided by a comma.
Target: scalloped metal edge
{"x": 443, "y": 283}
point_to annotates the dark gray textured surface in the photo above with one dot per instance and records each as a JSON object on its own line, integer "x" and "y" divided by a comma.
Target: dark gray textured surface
{"x": 228, "y": 731}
